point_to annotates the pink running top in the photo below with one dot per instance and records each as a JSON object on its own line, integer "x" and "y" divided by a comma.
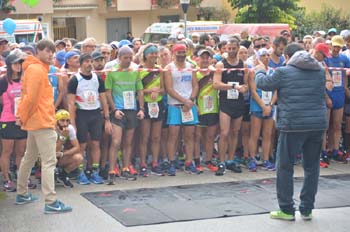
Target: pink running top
{"x": 10, "y": 100}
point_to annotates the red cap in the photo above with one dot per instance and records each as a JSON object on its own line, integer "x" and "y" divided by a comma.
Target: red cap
{"x": 179, "y": 47}
{"x": 323, "y": 48}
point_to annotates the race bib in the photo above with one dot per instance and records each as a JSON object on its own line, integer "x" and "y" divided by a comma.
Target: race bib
{"x": 187, "y": 116}
{"x": 208, "y": 104}
{"x": 129, "y": 100}
{"x": 90, "y": 96}
{"x": 337, "y": 78}
{"x": 16, "y": 100}
{"x": 153, "y": 109}
{"x": 232, "y": 93}
{"x": 266, "y": 96}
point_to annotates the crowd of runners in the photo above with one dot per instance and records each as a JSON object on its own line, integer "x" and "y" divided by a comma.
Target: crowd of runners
{"x": 128, "y": 109}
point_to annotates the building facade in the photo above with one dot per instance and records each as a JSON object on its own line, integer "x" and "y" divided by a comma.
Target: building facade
{"x": 105, "y": 20}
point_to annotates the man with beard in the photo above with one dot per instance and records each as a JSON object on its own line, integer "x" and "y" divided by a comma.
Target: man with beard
{"x": 182, "y": 88}
{"x": 86, "y": 95}
{"x": 232, "y": 84}
{"x": 276, "y": 57}
{"x": 67, "y": 148}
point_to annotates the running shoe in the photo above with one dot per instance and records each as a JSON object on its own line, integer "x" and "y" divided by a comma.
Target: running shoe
{"x": 233, "y": 166}
{"x": 324, "y": 157}
{"x": 103, "y": 173}
{"x": 267, "y": 165}
{"x": 95, "y": 178}
{"x": 199, "y": 168}
{"x": 156, "y": 170}
{"x": 165, "y": 166}
{"x": 82, "y": 179}
{"x": 221, "y": 170}
{"x": 252, "y": 166}
{"x": 306, "y": 216}
{"x": 143, "y": 171}
{"x": 172, "y": 170}
{"x": 63, "y": 178}
{"x": 57, "y": 207}
{"x": 323, "y": 164}
{"x": 212, "y": 167}
{"x": 191, "y": 169}
{"x": 132, "y": 170}
{"x": 25, "y": 199}
{"x": 258, "y": 160}
{"x": 126, "y": 175}
{"x": 111, "y": 178}
{"x": 9, "y": 186}
{"x": 282, "y": 216}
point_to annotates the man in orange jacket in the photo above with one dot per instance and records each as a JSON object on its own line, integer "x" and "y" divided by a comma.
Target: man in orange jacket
{"x": 36, "y": 114}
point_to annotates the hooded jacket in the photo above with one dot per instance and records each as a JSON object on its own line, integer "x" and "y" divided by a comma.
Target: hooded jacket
{"x": 301, "y": 93}
{"x": 36, "y": 108}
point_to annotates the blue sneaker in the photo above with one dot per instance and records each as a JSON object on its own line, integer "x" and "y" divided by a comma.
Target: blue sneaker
{"x": 191, "y": 169}
{"x": 172, "y": 170}
{"x": 267, "y": 165}
{"x": 57, "y": 207}
{"x": 82, "y": 179}
{"x": 95, "y": 178}
{"x": 25, "y": 199}
{"x": 252, "y": 167}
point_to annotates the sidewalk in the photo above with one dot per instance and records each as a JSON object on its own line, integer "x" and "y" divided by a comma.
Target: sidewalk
{"x": 86, "y": 217}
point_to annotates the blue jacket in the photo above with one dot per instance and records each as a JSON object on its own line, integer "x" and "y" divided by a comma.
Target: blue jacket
{"x": 301, "y": 93}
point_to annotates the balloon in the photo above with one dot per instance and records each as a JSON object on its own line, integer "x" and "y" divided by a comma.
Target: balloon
{"x": 31, "y": 3}
{"x": 9, "y": 26}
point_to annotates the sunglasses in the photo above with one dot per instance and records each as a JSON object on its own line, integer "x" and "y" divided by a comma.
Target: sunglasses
{"x": 260, "y": 46}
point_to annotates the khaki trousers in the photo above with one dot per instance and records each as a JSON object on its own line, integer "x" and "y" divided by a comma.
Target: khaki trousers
{"x": 40, "y": 143}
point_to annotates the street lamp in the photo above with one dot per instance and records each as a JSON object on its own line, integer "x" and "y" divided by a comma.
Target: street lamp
{"x": 185, "y": 4}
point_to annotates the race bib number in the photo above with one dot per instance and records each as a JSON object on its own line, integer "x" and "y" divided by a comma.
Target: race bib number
{"x": 129, "y": 100}
{"x": 266, "y": 96}
{"x": 208, "y": 104}
{"x": 153, "y": 109}
{"x": 232, "y": 93}
{"x": 90, "y": 96}
{"x": 337, "y": 78}
{"x": 16, "y": 100}
{"x": 187, "y": 116}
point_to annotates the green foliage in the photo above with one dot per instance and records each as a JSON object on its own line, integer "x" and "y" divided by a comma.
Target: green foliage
{"x": 327, "y": 18}
{"x": 214, "y": 14}
{"x": 265, "y": 11}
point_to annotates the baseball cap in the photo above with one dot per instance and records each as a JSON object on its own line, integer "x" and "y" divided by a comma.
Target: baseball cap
{"x": 13, "y": 59}
{"x": 195, "y": 34}
{"x": 83, "y": 57}
{"x": 179, "y": 47}
{"x": 332, "y": 30}
{"x": 3, "y": 40}
{"x": 60, "y": 57}
{"x": 125, "y": 42}
{"x": 96, "y": 55}
{"x": 163, "y": 41}
{"x": 28, "y": 48}
{"x": 323, "y": 48}
{"x": 114, "y": 44}
{"x": 70, "y": 54}
{"x": 204, "y": 51}
{"x": 217, "y": 57}
{"x": 180, "y": 37}
{"x": 338, "y": 40}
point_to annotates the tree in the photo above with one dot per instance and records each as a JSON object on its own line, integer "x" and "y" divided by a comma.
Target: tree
{"x": 265, "y": 11}
{"x": 6, "y": 8}
{"x": 327, "y": 18}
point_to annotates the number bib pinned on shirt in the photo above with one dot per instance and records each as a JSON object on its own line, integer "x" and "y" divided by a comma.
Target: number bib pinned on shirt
{"x": 337, "y": 78}
{"x": 208, "y": 103}
{"x": 153, "y": 109}
{"x": 266, "y": 97}
{"x": 232, "y": 93}
{"x": 187, "y": 116}
{"x": 129, "y": 100}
